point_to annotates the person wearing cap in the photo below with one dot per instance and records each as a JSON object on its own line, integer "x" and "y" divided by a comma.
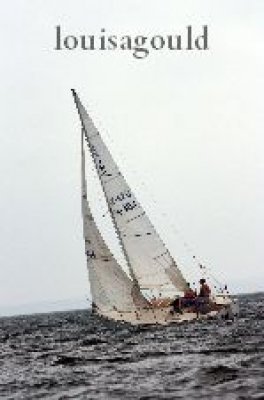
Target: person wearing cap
{"x": 205, "y": 290}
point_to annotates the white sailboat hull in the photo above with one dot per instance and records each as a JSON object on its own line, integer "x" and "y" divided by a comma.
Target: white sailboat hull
{"x": 165, "y": 316}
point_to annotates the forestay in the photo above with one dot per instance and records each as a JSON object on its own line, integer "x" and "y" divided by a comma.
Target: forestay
{"x": 111, "y": 288}
{"x": 150, "y": 260}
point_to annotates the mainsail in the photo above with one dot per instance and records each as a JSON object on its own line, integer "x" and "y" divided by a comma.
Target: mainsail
{"x": 151, "y": 264}
{"x": 110, "y": 286}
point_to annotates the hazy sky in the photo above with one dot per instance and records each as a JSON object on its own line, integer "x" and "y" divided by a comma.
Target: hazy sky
{"x": 188, "y": 125}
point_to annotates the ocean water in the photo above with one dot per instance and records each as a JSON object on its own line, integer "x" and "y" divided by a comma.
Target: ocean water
{"x": 75, "y": 355}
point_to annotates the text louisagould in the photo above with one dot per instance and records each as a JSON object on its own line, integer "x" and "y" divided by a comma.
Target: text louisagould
{"x": 140, "y": 45}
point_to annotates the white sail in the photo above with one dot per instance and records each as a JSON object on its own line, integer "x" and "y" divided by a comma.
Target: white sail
{"x": 151, "y": 263}
{"x": 110, "y": 286}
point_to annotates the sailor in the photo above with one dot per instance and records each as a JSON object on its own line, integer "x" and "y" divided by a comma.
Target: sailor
{"x": 189, "y": 296}
{"x": 205, "y": 290}
{"x": 189, "y": 292}
{"x": 176, "y": 306}
{"x": 203, "y": 300}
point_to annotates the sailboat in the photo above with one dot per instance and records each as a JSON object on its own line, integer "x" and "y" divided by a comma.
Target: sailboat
{"x": 153, "y": 284}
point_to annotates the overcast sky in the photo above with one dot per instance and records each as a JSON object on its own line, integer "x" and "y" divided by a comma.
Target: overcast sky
{"x": 188, "y": 125}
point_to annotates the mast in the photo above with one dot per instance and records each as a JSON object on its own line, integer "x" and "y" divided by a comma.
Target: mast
{"x": 108, "y": 206}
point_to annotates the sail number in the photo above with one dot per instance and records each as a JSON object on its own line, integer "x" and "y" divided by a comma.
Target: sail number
{"x": 120, "y": 197}
{"x": 127, "y": 207}
{"x": 123, "y": 198}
